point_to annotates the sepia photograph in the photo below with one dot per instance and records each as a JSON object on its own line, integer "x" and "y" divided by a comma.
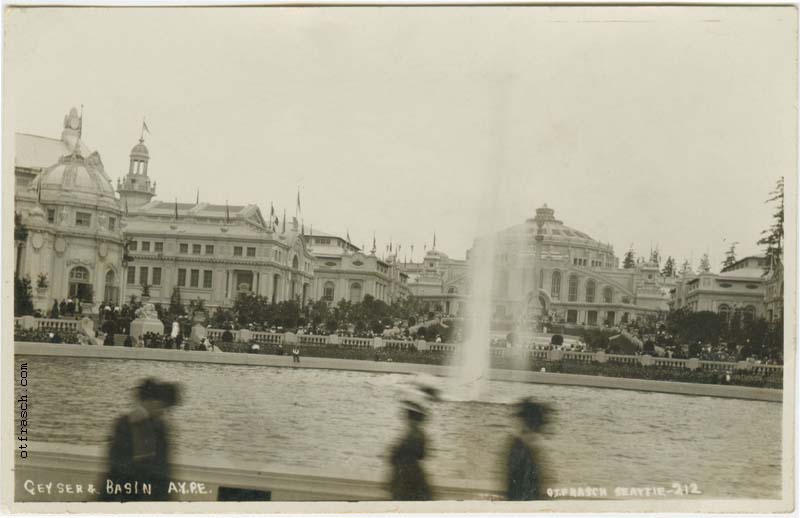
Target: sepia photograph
{"x": 382, "y": 258}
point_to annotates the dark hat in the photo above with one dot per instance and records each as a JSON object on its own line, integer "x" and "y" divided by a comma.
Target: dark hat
{"x": 532, "y": 413}
{"x": 153, "y": 389}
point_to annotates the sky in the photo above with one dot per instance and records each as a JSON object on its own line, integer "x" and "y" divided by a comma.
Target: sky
{"x": 645, "y": 127}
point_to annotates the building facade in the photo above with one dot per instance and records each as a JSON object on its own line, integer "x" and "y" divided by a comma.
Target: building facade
{"x": 74, "y": 243}
{"x": 206, "y": 251}
{"x": 440, "y": 283}
{"x": 545, "y": 271}
{"x": 343, "y": 272}
{"x": 738, "y": 289}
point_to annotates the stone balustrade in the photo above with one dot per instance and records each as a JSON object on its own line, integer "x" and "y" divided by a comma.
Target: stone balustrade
{"x": 535, "y": 351}
{"x": 48, "y": 324}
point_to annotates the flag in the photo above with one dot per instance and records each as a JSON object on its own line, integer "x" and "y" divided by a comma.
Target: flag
{"x": 176, "y": 209}
{"x": 297, "y": 209}
{"x": 227, "y": 212}
{"x": 302, "y": 228}
{"x": 348, "y": 235}
{"x": 144, "y": 128}
{"x": 197, "y": 201}
{"x": 284, "y": 221}
{"x": 434, "y": 240}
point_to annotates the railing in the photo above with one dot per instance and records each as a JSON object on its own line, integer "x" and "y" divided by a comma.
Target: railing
{"x": 534, "y": 351}
{"x": 670, "y": 362}
{"x": 578, "y": 356}
{"x": 359, "y": 343}
{"x": 623, "y": 358}
{"x": 312, "y": 339}
{"x": 49, "y": 324}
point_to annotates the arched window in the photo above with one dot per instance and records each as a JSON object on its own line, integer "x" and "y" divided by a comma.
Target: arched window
{"x": 572, "y": 295}
{"x": 591, "y": 287}
{"x": 749, "y": 314}
{"x": 724, "y": 312}
{"x": 328, "y": 291}
{"x": 555, "y": 286}
{"x": 295, "y": 263}
{"x": 80, "y": 286}
{"x": 608, "y": 295}
{"x": 355, "y": 292}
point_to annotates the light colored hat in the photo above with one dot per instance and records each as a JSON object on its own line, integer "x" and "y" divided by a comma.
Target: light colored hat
{"x": 419, "y": 393}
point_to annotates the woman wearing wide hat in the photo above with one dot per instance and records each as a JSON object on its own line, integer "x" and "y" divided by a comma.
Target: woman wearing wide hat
{"x": 408, "y": 479}
{"x": 139, "y": 454}
{"x": 524, "y": 464}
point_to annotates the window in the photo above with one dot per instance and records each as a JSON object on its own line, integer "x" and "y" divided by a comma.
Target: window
{"x": 112, "y": 223}
{"x": 156, "y": 277}
{"x": 131, "y": 275}
{"x": 133, "y": 246}
{"x": 724, "y": 312}
{"x": 181, "y": 277}
{"x": 572, "y": 295}
{"x": 51, "y": 215}
{"x": 251, "y": 251}
{"x": 590, "y": 290}
{"x": 237, "y": 251}
{"x": 209, "y": 249}
{"x": 184, "y": 247}
{"x": 322, "y": 241}
{"x": 207, "y": 278}
{"x": 555, "y": 286}
{"x": 143, "y": 275}
{"x": 355, "y": 292}
{"x": 196, "y": 249}
{"x": 83, "y": 219}
{"x": 145, "y": 246}
{"x": 194, "y": 280}
{"x": 572, "y": 316}
{"x": 608, "y": 295}
{"x": 159, "y": 247}
{"x": 328, "y": 291}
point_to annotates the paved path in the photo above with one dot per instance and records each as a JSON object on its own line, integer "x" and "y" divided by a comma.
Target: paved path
{"x": 23, "y": 349}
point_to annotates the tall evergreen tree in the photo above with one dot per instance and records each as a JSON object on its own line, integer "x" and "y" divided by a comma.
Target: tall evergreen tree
{"x": 655, "y": 257}
{"x": 773, "y": 236}
{"x": 705, "y": 264}
{"x": 730, "y": 256}
{"x": 629, "y": 261}
{"x": 23, "y": 298}
{"x": 669, "y": 267}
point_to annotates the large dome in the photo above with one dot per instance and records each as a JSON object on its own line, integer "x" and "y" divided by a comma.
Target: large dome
{"x": 545, "y": 224}
{"x": 75, "y": 175}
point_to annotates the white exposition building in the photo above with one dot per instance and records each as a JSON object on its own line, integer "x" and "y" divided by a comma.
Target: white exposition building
{"x": 78, "y": 230}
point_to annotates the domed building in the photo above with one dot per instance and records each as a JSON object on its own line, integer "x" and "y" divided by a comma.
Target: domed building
{"x": 546, "y": 271}
{"x": 74, "y": 243}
